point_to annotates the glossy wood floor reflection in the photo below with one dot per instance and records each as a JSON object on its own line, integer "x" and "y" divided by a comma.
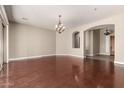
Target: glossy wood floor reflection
{"x": 62, "y": 72}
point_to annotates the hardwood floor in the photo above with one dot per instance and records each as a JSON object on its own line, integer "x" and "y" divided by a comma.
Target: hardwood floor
{"x": 62, "y": 72}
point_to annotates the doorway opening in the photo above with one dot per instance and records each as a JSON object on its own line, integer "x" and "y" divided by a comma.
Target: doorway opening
{"x": 99, "y": 42}
{"x": 1, "y": 46}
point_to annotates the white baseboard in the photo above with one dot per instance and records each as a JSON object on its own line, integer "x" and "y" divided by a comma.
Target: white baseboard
{"x": 104, "y": 54}
{"x": 91, "y": 55}
{"x": 30, "y": 57}
{"x": 97, "y": 54}
{"x": 70, "y": 55}
{"x": 61, "y": 54}
{"x": 33, "y": 57}
{"x": 76, "y": 56}
{"x": 118, "y": 62}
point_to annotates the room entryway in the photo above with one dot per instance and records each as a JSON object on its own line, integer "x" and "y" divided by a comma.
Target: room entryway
{"x": 99, "y": 42}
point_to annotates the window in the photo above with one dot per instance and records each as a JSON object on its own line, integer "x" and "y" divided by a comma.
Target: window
{"x": 76, "y": 39}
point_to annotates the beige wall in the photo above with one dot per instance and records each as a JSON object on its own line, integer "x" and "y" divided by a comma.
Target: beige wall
{"x": 87, "y": 42}
{"x": 102, "y": 42}
{"x": 117, "y": 20}
{"x": 96, "y": 41}
{"x": 27, "y": 41}
{"x": 92, "y": 42}
{"x": 61, "y": 43}
{"x": 19, "y": 34}
{"x": 6, "y": 43}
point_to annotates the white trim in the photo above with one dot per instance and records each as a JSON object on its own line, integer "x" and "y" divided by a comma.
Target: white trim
{"x": 7, "y": 43}
{"x": 89, "y": 54}
{"x": 3, "y": 15}
{"x": 97, "y": 54}
{"x": 118, "y": 62}
{"x": 5, "y": 23}
{"x": 30, "y": 57}
{"x": 61, "y": 54}
{"x": 76, "y": 56}
{"x": 39, "y": 56}
{"x": 70, "y": 55}
{"x": 104, "y": 53}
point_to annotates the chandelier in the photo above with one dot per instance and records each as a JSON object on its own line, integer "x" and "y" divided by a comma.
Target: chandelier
{"x": 107, "y": 32}
{"x": 60, "y": 27}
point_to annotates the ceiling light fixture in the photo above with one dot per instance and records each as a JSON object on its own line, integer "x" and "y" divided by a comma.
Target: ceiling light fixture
{"x": 107, "y": 32}
{"x": 60, "y": 27}
{"x": 95, "y": 9}
{"x": 24, "y": 18}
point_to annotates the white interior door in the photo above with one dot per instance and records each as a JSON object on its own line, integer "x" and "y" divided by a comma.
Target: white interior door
{"x": 1, "y": 45}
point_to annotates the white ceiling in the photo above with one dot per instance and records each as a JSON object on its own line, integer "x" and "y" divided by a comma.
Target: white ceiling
{"x": 46, "y": 16}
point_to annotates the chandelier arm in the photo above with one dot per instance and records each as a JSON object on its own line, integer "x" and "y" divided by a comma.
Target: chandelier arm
{"x": 61, "y": 31}
{"x": 60, "y": 28}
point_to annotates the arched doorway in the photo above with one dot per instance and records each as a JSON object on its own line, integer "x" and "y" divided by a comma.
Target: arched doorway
{"x": 99, "y": 42}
